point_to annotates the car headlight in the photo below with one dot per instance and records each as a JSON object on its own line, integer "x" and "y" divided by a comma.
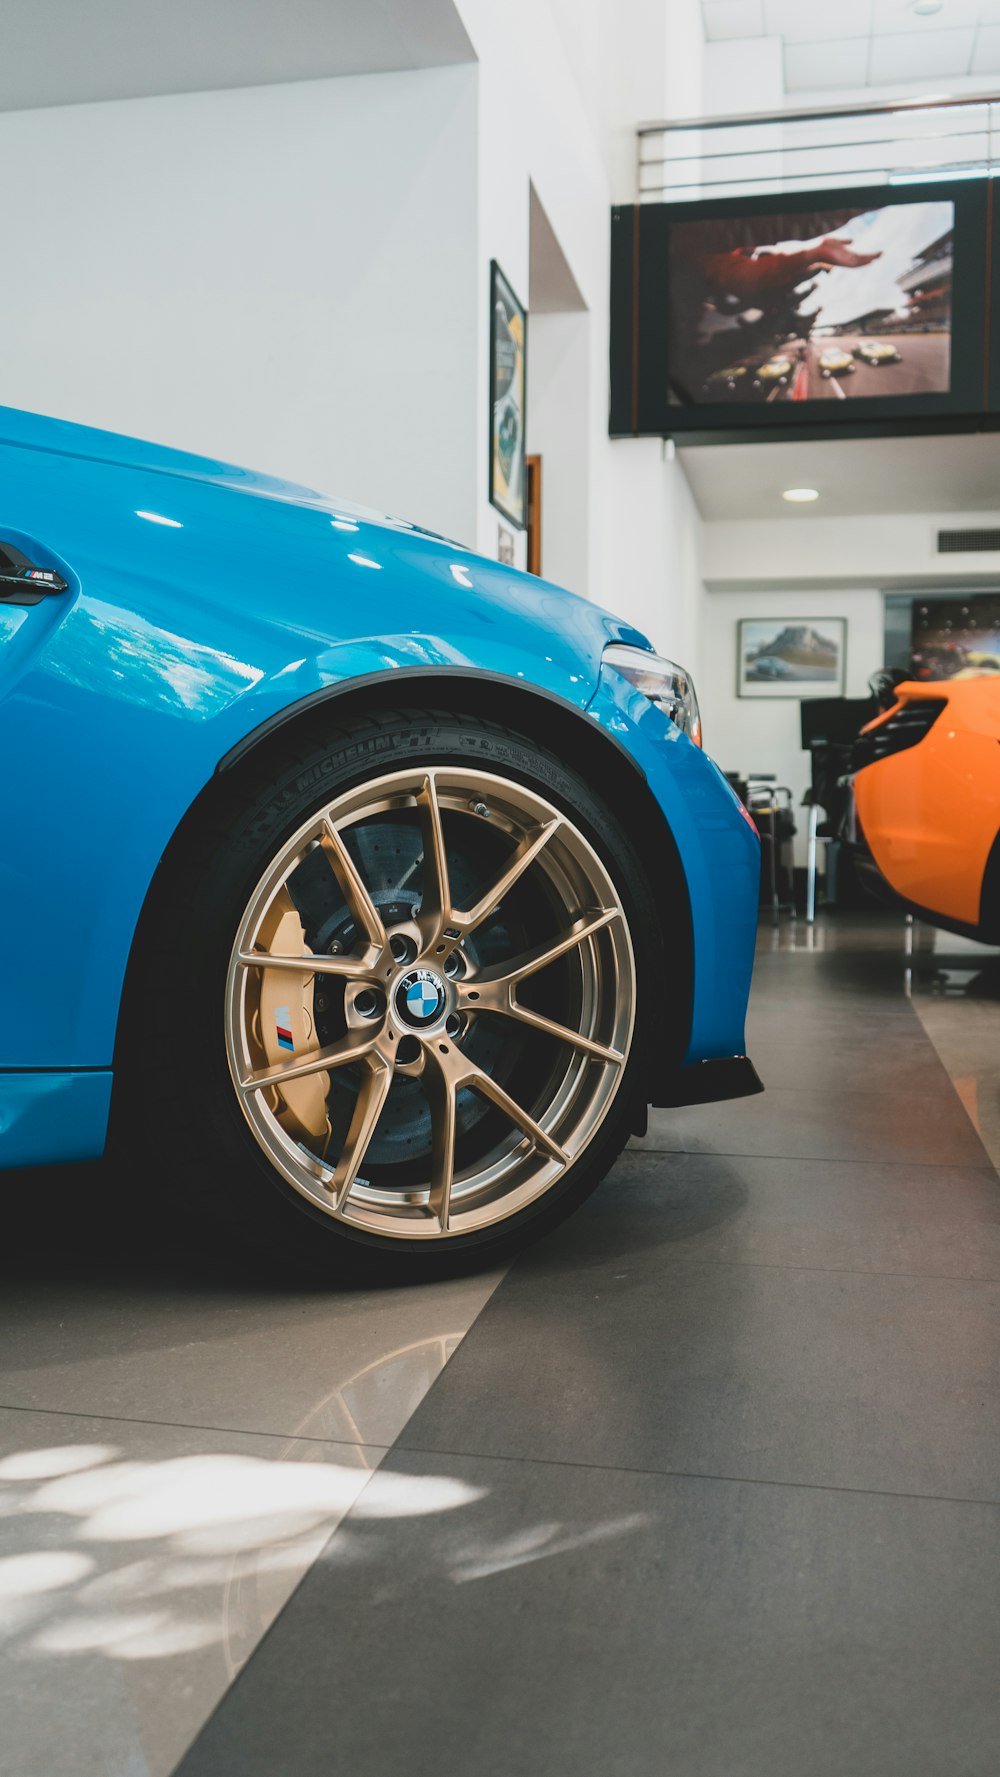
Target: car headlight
{"x": 665, "y": 683}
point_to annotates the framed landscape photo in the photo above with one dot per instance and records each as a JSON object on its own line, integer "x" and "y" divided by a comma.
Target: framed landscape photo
{"x": 791, "y": 656}
{"x": 508, "y": 343}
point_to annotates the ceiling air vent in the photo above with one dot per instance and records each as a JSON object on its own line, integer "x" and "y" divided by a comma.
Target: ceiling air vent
{"x": 966, "y": 542}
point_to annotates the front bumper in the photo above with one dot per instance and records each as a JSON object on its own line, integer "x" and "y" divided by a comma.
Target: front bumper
{"x": 708, "y": 1082}
{"x": 719, "y": 853}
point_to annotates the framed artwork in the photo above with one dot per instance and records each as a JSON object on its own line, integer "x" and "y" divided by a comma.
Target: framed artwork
{"x": 955, "y": 638}
{"x": 508, "y": 343}
{"x": 533, "y": 491}
{"x": 791, "y": 656}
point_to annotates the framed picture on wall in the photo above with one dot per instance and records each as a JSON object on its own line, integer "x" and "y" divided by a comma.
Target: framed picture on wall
{"x": 791, "y": 656}
{"x": 508, "y": 345}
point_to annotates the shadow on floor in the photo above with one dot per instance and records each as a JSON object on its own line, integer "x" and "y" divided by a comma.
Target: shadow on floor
{"x": 79, "y": 1225}
{"x": 108, "y": 1224}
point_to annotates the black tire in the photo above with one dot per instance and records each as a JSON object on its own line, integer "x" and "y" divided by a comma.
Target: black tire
{"x": 192, "y": 1118}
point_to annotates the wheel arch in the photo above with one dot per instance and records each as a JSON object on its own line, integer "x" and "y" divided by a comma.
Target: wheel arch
{"x": 542, "y": 717}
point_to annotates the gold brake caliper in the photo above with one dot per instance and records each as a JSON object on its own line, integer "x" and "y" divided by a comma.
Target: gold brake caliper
{"x": 287, "y": 1030}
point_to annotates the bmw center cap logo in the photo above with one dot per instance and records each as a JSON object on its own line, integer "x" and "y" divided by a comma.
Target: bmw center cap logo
{"x": 420, "y": 997}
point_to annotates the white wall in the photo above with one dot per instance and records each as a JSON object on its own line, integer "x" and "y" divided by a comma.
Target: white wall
{"x": 639, "y": 528}
{"x": 284, "y": 276}
{"x": 559, "y": 429}
{"x": 536, "y": 128}
{"x": 297, "y": 277}
{"x": 762, "y": 734}
{"x": 684, "y": 62}
{"x": 634, "y": 52}
{"x": 653, "y": 566}
{"x": 579, "y": 25}
{"x": 893, "y": 549}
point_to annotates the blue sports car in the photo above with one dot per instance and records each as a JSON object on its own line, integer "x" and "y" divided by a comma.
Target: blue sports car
{"x": 364, "y": 890}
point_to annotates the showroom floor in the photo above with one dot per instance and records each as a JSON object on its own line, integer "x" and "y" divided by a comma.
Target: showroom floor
{"x": 710, "y": 1485}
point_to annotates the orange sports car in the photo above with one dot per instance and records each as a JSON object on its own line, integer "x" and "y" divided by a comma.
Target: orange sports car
{"x": 927, "y": 797}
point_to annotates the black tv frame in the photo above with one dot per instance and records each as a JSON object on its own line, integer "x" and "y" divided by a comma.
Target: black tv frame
{"x": 992, "y": 345}
{"x": 640, "y": 285}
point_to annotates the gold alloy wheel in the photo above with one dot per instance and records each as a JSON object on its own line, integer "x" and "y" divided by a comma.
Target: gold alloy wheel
{"x": 442, "y": 1060}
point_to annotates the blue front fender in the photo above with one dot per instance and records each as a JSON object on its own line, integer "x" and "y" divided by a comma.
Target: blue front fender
{"x": 78, "y": 860}
{"x": 719, "y": 852}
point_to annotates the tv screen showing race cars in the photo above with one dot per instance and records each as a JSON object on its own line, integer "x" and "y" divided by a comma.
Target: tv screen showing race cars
{"x": 955, "y": 638}
{"x": 807, "y": 313}
{"x": 810, "y": 306}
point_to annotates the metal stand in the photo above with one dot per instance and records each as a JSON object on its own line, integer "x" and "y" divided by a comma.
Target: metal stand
{"x": 772, "y": 800}
{"x": 811, "y": 848}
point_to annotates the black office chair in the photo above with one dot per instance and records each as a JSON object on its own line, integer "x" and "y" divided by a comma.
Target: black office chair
{"x": 829, "y": 728}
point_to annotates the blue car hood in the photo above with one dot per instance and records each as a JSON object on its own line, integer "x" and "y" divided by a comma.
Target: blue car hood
{"x": 64, "y": 438}
{"x": 242, "y": 529}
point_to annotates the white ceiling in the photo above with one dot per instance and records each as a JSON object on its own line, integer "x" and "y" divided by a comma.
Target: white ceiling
{"x": 858, "y": 43}
{"x": 854, "y": 476}
{"x": 62, "y": 52}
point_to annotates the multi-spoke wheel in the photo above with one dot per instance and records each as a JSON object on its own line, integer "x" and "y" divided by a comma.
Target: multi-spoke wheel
{"x": 430, "y": 999}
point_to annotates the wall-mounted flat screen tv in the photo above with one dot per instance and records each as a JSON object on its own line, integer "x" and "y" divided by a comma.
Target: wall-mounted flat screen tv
{"x": 820, "y": 311}
{"x": 955, "y": 638}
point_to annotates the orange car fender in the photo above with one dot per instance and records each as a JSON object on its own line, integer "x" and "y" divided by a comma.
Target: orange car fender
{"x": 931, "y": 813}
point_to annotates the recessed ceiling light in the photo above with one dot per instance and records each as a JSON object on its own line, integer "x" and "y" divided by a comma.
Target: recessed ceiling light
{"x": 800, "y": 496}
{"x": 924, "y": 8}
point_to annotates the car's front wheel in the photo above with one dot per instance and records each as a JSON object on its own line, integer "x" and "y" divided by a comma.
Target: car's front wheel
{"x": 406, "y": 1018}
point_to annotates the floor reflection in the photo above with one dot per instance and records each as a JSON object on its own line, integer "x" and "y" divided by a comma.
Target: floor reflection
{"x": 137, "y": 1575}
{"x": 181, "y": 1429}
{"x": 956, "y": 996}
{"x": 952, "y": 982}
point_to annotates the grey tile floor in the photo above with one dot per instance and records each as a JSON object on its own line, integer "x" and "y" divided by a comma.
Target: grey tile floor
{"x": 708, "y": 1483}
{"x": 180, "y": 1433}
